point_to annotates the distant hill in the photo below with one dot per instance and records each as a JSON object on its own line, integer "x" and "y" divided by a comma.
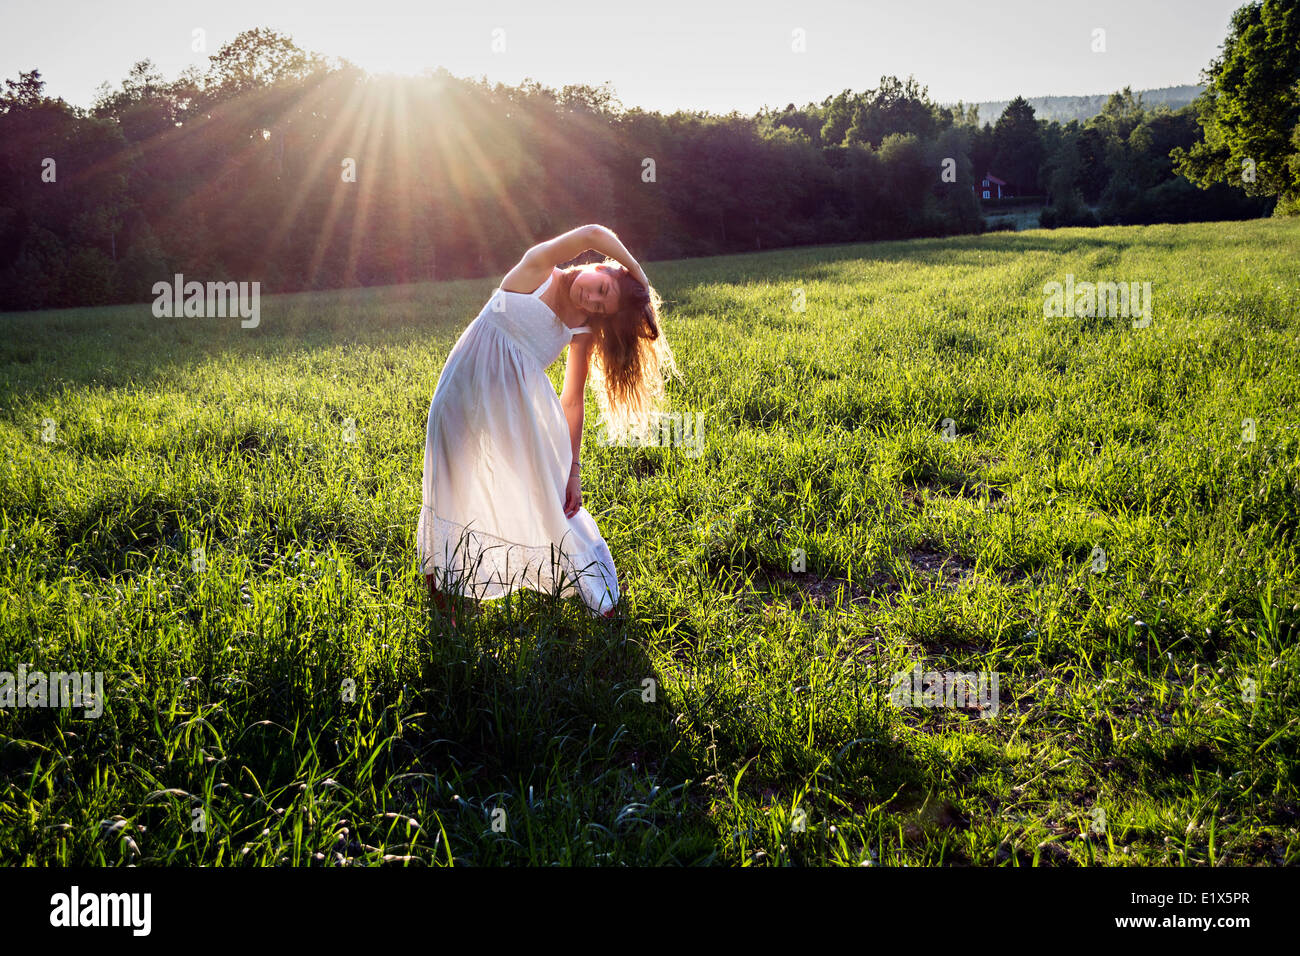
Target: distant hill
{"x": 1081, "y": 108}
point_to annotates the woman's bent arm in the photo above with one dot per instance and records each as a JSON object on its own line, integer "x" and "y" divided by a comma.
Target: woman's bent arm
{"x": 567, "y": 245}
{"x": 604, "y": 240}
{"x": 546, "y": 255}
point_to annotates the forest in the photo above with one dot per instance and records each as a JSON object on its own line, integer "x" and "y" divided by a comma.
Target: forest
{"x": 298, "y": 171}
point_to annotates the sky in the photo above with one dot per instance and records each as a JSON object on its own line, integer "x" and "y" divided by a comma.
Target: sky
{"x": 665, "y": 55}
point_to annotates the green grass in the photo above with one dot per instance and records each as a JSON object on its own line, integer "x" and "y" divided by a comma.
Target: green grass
{"x": 1123, "y": 734}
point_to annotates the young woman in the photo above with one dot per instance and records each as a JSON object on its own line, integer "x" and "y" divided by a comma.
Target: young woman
{"x": 502, "y": 473}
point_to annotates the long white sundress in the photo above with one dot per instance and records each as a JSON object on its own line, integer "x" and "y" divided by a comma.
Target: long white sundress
{"x": 497, "y": 456}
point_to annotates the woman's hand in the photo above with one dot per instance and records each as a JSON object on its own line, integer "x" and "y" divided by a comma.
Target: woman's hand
{"x": 573, "y": 496}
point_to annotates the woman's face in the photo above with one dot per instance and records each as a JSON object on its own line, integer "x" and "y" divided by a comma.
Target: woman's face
{"x": 595, "y": 292}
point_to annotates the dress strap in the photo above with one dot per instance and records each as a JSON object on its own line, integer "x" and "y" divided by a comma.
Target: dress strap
{"x": 580, "y": 329}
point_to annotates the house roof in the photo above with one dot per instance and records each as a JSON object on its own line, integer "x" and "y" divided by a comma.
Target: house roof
{"x": 993, "y": 179}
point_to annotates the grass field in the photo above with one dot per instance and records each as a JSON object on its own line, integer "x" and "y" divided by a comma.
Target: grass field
{"x": 1093, "y": 525}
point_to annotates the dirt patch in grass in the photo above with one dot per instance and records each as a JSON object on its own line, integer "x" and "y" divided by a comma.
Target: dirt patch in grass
{"x": 945, "y": 569}
{"x": 953, "y": 488}
{"x": 948, "y": 570}
{"x": 935, "y": 568}
{"x": 811, "y": 588}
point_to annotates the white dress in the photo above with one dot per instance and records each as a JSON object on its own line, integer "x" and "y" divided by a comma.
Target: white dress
{"x": 497, "y": 457}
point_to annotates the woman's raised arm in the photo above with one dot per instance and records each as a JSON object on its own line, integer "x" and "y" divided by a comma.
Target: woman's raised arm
{"x": 546, "y": 255}
{"x": 549, "y": 254}
{"x": 538, "y": 262}
{"x": 604, "y": 240}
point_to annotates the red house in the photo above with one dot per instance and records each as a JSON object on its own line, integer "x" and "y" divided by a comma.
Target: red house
{"x": 990, "y": 187}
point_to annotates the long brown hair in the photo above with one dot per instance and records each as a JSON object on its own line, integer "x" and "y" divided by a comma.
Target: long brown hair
{"x": 630, "y": 357}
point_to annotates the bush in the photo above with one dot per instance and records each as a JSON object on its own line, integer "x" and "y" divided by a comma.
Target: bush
{"x": 1067, "y": 214}
{"x": 35, "y": 280}
{"x": 141, "y": 266}
{"x": 90, "y": 279}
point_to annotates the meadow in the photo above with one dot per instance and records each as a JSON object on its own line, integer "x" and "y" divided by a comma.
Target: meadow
{"x": 905, "y": 465}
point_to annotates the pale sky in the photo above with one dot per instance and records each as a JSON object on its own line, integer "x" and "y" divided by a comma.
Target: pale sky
{"x": 664, "y": 55}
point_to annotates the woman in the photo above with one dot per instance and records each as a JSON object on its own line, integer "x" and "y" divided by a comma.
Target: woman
{"x": 502, "y": 470}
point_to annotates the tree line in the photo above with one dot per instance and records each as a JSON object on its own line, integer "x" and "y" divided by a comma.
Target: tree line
{"x": 281, "y": 166}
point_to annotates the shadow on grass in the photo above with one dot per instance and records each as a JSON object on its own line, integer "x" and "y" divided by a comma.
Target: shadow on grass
{"x": 540, "y": 719}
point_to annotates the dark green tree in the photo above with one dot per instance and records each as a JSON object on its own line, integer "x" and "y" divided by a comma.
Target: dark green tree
{"x": 1018, "y": 146}
{"x": 1250, "y": 110}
